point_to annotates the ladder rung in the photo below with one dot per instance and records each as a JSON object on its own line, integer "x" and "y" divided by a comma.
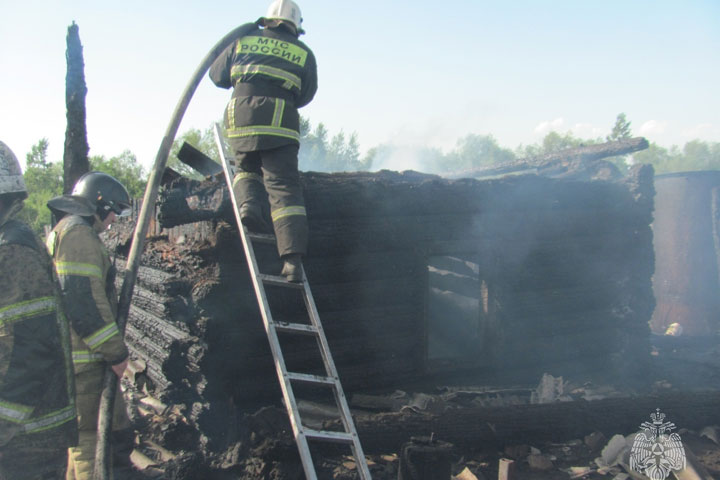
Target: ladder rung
{"x": 279, "y": 281}
{"x": 328, "y": 436}
{"x": 262, "y": 237}
{"x": 295, "y": 328}
{"x": 313, "y": 379}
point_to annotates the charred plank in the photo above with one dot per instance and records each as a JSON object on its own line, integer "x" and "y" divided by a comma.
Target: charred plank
{"x": 499, "y": 426}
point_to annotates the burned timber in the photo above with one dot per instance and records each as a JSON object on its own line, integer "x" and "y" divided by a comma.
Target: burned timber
{"x": 422, "y": 282}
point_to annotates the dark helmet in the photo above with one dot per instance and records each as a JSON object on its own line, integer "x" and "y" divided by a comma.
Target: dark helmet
{"x": 105, "y": 192}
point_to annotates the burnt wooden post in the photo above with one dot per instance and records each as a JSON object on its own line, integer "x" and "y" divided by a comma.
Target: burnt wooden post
{"x": 75, "y": 157}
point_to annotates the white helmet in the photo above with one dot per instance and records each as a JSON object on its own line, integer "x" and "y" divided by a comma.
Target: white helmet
{"x": 285, "y": 10}
{"x": 11, "y": 178}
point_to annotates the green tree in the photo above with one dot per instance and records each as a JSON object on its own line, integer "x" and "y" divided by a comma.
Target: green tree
{"x": 366, "y": 162}
{"x": 621, "y": 129}
{"x": 38, "y": 154}
{"x": 342, "y": 155}
{"x": 125, "y": 168}
{"x": 553, "y": 142}
{"x": 44, "y": 180}
{"x": 313, "y": 147}
{"x": 352, "y": 153}
{"x": 702, "y": 155}
{"x": 334, "y": 154}
{"x": 475, "y": 151}
{"x": 662, "y": 159}
{"x": 695, "y": 155}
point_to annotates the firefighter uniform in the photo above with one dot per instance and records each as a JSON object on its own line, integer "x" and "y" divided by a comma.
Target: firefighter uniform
{"x": 272, "y": 74}
{"x": 89, "y": 297}
{"x": 37, "y": 400}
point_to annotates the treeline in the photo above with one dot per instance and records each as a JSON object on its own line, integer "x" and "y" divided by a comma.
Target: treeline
{"x": 477, "y": 151}
{"x": 320, "y": 151}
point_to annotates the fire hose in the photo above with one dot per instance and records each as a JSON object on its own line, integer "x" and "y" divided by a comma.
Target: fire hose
{"x": 103, "y": 462}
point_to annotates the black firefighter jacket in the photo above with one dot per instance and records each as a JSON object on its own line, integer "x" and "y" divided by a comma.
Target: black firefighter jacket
{"x": 37, "y": 398}
{"x": 273, "y": 74}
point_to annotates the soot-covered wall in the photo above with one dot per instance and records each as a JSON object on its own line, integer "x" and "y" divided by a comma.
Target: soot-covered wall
{"x": 413, "y": 275}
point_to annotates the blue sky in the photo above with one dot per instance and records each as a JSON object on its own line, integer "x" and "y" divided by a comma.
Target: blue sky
{"x": 407, "y": 73}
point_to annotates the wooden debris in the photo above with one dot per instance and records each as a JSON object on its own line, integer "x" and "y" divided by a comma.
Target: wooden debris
{"x": 382, "y": 403}
{"x": 712, "y": 432}
{"x": 159, "y": 407}
{"x": 506, "y": 469}
{"x": 540, "y": 462}
{"x": 579, "y": 472}
{"x": 141, "y": 461}
{"x": 163, "y": 454}
{"x": 595, "y": 441}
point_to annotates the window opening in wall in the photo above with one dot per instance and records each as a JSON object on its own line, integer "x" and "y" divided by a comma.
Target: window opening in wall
{"x": 457, "y": 304}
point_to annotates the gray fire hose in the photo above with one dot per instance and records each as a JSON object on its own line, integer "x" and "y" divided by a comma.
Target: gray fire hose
{"x": 103, "y": 462}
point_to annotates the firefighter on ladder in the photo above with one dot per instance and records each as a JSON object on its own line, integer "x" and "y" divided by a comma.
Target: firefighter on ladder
{"x": 37, "y": 400}
{"x": 87, "y": 285}
{"x": 272, "y": 74}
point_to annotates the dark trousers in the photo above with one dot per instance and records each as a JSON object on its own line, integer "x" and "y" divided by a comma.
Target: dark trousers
{"x": 271, "y": 176}
{"x": 33, "y": 462}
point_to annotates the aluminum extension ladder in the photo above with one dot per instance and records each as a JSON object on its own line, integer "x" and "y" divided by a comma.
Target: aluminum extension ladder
{"x": 302, "y": 433}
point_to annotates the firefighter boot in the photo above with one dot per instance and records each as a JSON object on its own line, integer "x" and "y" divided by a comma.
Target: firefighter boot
{"x": 252, "y": 217}
{"x": 292, "y": 268}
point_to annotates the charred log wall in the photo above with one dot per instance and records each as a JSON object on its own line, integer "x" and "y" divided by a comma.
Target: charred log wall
{"x": 571, "y": 276}
{"x": 565, "y": 268}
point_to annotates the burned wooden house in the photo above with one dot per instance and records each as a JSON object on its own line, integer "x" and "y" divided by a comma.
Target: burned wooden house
{"x": 419, "y": 280}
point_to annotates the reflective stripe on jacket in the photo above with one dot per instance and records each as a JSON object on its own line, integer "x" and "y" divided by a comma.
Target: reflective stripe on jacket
{"x": 36, "y": 376}
{"x": 273, "y": 74}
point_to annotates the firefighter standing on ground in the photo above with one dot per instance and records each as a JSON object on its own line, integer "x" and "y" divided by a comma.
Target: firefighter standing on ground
{"x": 37, "y": 399}
{"x": 87, "y": 284}
{"x": 272, "y": 74}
